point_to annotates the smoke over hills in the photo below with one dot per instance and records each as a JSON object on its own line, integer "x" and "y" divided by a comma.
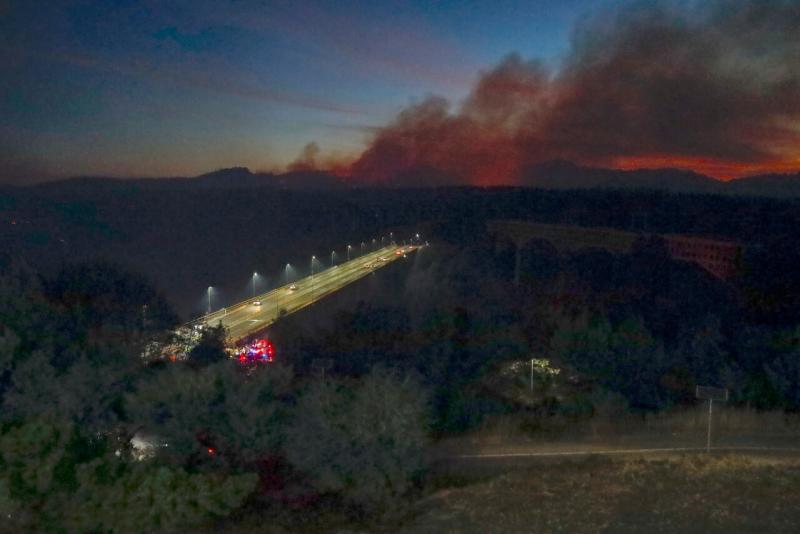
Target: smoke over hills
{"x": 711, "y": 86}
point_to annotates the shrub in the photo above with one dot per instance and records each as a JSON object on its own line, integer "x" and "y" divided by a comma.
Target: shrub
{"x": 363, "y": 440}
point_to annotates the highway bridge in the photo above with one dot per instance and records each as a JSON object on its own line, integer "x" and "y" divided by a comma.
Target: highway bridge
{"x": 251, "y": 316}
{"x": 720, "y": 257}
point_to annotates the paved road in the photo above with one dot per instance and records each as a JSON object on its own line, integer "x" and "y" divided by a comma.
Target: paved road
{"x": 611, "y": 452}
{"x": 490, "y": 458}
{"x": 246, "y": 317}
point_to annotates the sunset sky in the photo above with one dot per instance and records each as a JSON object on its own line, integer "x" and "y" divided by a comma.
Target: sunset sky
{"x": 157, "y": 88}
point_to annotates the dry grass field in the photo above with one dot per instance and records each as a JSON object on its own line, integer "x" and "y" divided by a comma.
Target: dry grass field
{"x": 750, "y": 483}
{"x": 692, "y": 493}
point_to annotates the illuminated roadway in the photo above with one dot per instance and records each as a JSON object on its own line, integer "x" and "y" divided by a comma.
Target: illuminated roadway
{"x": 245, "y": 318}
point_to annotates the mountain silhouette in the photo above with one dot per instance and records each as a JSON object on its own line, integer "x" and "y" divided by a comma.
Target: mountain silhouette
{"x": 562, "y": 174}
{"x": 768, "y": 185}
{"x": 556, "y": 174}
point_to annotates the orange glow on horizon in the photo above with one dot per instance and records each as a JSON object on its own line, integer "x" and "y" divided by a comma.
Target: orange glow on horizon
{"x": 504, "y": 171}
{"x": 501, "y": 173}
{"x": 715, "y": 168}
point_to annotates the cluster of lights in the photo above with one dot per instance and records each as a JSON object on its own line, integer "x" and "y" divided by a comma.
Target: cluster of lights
{"x": 260, "y": 351}
{"x": 314, "y": 261}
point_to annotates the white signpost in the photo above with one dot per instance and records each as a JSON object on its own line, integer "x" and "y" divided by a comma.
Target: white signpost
{"x": 711, "y": 394}
{"x": 320, "y": 365}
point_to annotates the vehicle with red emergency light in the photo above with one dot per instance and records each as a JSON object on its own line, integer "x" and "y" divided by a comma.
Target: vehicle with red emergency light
{"x": 258, "y": 351}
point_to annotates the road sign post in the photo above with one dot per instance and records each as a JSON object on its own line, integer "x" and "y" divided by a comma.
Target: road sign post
{"x": 320, "y": 365}
{"x": 710, "y": 394}
{"x": 531, "y": 375}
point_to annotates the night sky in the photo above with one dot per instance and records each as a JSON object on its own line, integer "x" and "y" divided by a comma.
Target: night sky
{"x": 479, "y": 90}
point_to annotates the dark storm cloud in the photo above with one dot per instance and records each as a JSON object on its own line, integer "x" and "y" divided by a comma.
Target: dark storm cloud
{"x": 705, "y": 83}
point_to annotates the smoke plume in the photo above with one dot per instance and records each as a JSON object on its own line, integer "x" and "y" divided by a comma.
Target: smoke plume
{"x": 307, "y": 159}
{"x": 713, "y": 86}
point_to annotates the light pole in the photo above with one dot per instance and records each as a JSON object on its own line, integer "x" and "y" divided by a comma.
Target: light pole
{"x": 348, "y": 252}
{"x": 313, "y": 258}
{"x": 333, "y": 258}
{"x": 208, "y": 311}
{"x": 255, "y": 275}
{"x": 278, "y": 295}
{"x": 373, "y": 243}
{"x": 362, "y": 247}
{"x": 391, "y": 237}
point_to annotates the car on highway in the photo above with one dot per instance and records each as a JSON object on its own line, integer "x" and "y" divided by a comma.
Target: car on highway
{"x": 256, "y": 303}
{"x": 383, "y": 258}
{"x": 293, "y": 287}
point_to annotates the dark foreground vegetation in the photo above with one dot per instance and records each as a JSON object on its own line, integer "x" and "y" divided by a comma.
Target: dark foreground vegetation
{"x": 218, "y": 437}
{"x": 348, "y": 429}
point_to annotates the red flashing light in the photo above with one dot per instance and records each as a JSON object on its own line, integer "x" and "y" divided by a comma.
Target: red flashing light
{"x": 211, "y": 451}
{"x": 260, "y": 350}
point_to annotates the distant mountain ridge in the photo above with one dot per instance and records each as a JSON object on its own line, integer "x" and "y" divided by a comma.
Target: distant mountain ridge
{"x": 554, "y": 174}
{"x": 241, "y": 177}
{"x": 562, "y": 174}
{"x": 773, "y": 185}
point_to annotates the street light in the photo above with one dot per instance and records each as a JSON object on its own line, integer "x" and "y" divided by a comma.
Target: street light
{"x": 348, "y": 252}
{"x": 255, "y": 275}
{"x": 278, "y": 295}
{"x": 313, "y": 259}
{"x": 333, "y": 258}
{"x": 208, "y": 311}
{"x": 362, "y": 247}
